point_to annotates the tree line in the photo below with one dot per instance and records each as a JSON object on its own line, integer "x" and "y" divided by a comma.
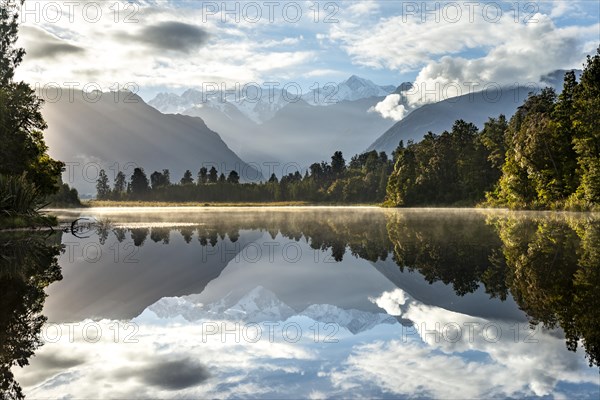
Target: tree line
{"x": 362, "y": 180}
{"x": 547, "y": 156}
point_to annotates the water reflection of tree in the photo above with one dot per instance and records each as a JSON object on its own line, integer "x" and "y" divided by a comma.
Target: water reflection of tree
{"x": 28, "y": 264}
{"x": 139, "y": 235}
{"x": 453, "y": 249}
{"x": 187, "y": 233}
{"x": 160, "y": 234}
{"x": 550, "y": 265}
{"x": 553, "y": 272}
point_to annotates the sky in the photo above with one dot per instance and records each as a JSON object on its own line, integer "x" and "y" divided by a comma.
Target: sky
{"x": 152, "y": 46}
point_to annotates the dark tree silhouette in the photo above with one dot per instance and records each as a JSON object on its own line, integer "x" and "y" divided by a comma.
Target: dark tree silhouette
{"x": 120, "y": 186}
{"x": 139, "y": 183}
{"x": 102, "y": 186}
{"x": 213, "y": 175}
{"x": 202, "y": 176}
{"x": 187, "y": 178}
{"x": 233, "y": 177}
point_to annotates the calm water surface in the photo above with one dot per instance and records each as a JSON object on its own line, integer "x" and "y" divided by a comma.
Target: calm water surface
{"x": 303, "y": 303}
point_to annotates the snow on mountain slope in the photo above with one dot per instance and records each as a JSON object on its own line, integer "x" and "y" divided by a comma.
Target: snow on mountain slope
{"x": 354, "y": 320}
{"x": 260, "y": 305}
{"x": 256, "y": 105}
{"x": 261, "y": 106}
{"x": 354, "y": 88}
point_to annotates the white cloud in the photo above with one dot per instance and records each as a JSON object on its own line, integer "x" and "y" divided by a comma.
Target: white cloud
{"x": 453, "y": 57}
{"x": 118, "y": 52}
{"x": 436, "y": 361}
{"x": 362, "y": 8}
{"x": 443, "y": 354}
{"x": 391, "y": 301}
{"x": 322, "y": 72}
{"x": 390, "y": 108}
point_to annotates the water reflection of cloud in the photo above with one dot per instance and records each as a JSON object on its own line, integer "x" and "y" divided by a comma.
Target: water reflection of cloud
{"x": 175, "y": 357}
{"x": 438, "y": 362}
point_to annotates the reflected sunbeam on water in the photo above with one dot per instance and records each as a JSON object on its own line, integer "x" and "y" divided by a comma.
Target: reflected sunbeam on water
{"x": 309, "y": 303}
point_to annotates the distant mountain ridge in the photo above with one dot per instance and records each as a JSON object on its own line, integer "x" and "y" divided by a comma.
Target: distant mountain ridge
{"x": 261, "y": 107}
{"x": 258, "y": 105}
{"x": 121, "y": 132}
{"x": 475, "y": 107}
{"x": 286, "y": 132}
{"x": 299, "y": 134}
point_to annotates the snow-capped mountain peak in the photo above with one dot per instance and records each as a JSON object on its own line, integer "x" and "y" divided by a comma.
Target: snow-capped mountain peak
{"x": 358, "y": 83}
{"x": 261, "y": 107}
{"x": 353, "y": 88}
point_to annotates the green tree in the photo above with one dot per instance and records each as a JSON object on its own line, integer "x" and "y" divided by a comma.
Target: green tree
{"x": 202, "y": 176}
{"x": 120, "y": 185}
{"x": 102, "y": 186}
{"x": 517, "y": 188}
{"x": 187, "y": 178}
{"x": 449, "y": 168}
{"x": 493, "y": 138}
{"x": 213, "y": 175}
{"x": 156, "y": 179}
{"x": 338, "y": 164}
{"x": 10, "y": 57}
{"x": 21, "y": 123}
{"x": 65, "y": 197}
{"x": 233, "y": 177}
{"x": 139, "y": 183}
{"x": 587, "y": 130}
{"x": 166, "y": 177}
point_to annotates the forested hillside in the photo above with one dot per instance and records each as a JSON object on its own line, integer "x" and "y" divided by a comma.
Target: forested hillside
{"x": 546, "y": 156}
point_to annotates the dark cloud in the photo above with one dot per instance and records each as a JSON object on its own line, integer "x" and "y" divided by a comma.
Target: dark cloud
{"x": 51, "y": 50}
{"x": 176, "y": 36}
{"x": 44, "y": 366}
{"x": 59, "y": 361}
{"x": 175, "y": 374}
{"x": 43, "y": 45}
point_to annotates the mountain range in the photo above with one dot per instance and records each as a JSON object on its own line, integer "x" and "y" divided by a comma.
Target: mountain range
{"x": 261, "y": 104}
{"x": 119, "y": 131}
{"x": 275, "y": 129}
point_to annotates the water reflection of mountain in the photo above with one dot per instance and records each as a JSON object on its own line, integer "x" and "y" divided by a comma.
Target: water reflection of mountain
{"x": 144, "y": 266}
{"x": 261, "y": 305}
{"x": 544, "y": 264}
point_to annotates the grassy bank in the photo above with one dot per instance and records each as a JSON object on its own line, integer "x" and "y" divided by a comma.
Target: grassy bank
{"x": 139, "y": 203}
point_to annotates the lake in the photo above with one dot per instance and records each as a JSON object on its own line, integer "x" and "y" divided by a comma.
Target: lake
{"x": 305, "y": 302}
